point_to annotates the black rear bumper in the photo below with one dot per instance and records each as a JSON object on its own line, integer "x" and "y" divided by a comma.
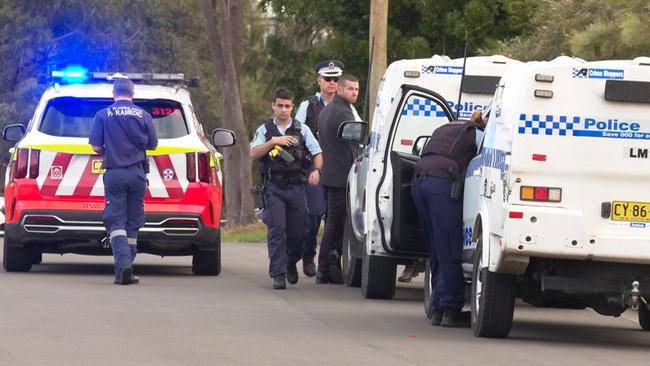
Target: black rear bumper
{"x": 81, "y": 232}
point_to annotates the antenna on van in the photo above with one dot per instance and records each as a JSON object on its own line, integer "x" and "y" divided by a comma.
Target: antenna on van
{"x": 462, "y": 79}
{"x": 367, "y": 93}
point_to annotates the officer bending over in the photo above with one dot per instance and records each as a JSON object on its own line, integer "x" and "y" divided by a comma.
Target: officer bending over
{"x": 437, "y": 194}
{"x": 122, "y": 133}
{"x": 284, "y": 149}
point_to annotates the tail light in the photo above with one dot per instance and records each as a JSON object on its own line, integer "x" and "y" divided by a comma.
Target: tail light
{"x": 25, "y": 158}
{"x": 190, "y": 159}
{"x": 204, "y": 167}
{"x": 542, "y": 194}
{"x": 199, "y": 164}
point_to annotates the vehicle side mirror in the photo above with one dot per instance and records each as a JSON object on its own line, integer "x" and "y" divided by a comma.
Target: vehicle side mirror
{"x": 353, "y": 131}
{"x": 222, "y": 137}
{"x": 419, "y": 145}
{"x": 13, "y": 133}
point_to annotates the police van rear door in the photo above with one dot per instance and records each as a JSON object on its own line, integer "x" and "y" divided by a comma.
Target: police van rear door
{"x": 582, "y": 142}
{"x": 67, "y": 166}
{"x": 399, "y": 225}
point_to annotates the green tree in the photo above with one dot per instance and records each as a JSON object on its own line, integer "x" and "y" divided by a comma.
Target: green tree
{"x": 589, "y": 29}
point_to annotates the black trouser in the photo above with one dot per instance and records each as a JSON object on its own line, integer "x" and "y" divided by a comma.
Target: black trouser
{"x": 334, "y": 225}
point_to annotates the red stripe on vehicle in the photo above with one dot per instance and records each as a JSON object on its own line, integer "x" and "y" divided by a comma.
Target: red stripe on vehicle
{"x": 55, "y": 175}
{"x": 87, "y": 180}
{"x": 169, "y": 176}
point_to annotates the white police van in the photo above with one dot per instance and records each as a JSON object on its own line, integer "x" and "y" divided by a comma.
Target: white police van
{"x": 382, "y": 228}
{"x": 557, "y": 206}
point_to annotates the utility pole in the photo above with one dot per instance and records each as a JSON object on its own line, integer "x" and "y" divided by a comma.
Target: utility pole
{"x": 377, "y": 52}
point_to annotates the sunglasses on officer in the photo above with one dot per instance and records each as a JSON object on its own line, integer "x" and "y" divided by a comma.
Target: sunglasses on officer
{"x": 330, "y": 78}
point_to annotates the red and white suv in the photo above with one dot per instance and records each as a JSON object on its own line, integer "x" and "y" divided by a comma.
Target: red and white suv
{"x": 54, "y": 193}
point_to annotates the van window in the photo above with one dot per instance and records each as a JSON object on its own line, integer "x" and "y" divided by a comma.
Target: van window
{"x": 73, "y": 117}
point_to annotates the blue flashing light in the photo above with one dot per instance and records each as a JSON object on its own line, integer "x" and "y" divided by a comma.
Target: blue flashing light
{"x": 71, "y": 74}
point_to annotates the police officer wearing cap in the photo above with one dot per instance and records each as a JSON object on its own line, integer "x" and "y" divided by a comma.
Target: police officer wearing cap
{"x": 328, "y": 72}
{"x": 122, "y": 133}
{"x": 437, "y": 194}
{"x": 284, "y": 149}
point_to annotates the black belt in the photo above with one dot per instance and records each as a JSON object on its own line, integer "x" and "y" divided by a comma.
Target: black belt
{"x": 435, "y": 173}
{"x": 283, "y": 180}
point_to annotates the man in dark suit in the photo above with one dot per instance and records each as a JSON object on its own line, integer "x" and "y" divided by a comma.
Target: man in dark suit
{"x": 338, "y": 157}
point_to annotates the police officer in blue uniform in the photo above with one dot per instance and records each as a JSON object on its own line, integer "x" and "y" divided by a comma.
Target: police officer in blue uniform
{"x": 284, "y": 148}
{"x": 437, "y": 194}
{"x": 122, "y": 133}
{"x": 328, "y": 75}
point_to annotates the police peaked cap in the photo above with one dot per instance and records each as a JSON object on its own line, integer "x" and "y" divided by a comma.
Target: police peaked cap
{"x": 330, "y": 68}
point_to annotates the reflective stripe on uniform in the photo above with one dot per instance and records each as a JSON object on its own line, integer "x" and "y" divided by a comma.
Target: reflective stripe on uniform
{"x": 132, "y": 241}
{"x": 115, "y": 233}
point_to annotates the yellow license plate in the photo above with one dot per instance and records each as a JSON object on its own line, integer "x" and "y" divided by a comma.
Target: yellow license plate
{"x": 631, "y": 211}
{"x": 97, "y": 167}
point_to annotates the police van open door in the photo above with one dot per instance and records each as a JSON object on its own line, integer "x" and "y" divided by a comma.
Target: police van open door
{"x": 400, "y": 235}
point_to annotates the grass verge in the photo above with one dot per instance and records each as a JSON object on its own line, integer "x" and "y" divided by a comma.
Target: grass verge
{"x": 250, "y": 233}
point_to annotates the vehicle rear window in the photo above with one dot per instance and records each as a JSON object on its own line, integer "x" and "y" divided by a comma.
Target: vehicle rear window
{"x": 73, "y": 117}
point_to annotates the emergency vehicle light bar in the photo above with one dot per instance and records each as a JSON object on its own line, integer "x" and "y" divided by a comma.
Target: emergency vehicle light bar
{"x": 77, "y": 75}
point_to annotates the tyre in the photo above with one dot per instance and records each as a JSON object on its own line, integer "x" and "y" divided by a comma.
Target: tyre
{"x": 207, "y": 262}
{"x": 377, "y": 277}
{"x": 16, "y": 259}
{"x": 428, "y": 310}
{"x": 493, "y": 300}
{"x": 351, "y": 264}
{"x": 644, "y": 317}
{"x": 37, "y": 257}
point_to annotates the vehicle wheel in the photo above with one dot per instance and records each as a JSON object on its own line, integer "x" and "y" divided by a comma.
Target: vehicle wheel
{"x": 207, "y": 262}
{"x": 644, "y": 317}
{"x": 377, "y": 277}
{"x": 351, "y": 265}
{"x": 493, "y": 300}
{"x": 37, "y": 257}
{"x": 16, "y": 259}
{"x": 427, "y": 290}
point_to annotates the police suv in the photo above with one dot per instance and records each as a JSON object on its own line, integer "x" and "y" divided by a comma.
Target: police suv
{"x": 54, "y": 192}
{"x": 382, "y": 228}
{"x": 557, "y": 206}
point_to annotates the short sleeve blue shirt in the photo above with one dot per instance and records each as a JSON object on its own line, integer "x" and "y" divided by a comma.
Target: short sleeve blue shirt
{"x": 125, "y": 131}
{"x": 310, "y": 140}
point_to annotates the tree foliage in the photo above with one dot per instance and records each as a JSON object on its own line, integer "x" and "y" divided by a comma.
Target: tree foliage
{"x": 589, "y": 29}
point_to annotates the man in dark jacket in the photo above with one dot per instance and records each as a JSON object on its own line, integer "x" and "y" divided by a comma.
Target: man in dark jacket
{"x": 338, "y": 157}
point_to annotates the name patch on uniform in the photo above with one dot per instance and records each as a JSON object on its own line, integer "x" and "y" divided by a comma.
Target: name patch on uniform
{"x": 124, "y": 111}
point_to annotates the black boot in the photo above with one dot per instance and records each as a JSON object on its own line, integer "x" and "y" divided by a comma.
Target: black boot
{"x": 436, "y": 317}
{"x": 292, "y": 273}
{"x": 309, "y": 268}
{"x": 456, "y": 319}
{"x": 279, "y": 282}
{"x": 336, "y": 275}
{"x": 321, "y": 278}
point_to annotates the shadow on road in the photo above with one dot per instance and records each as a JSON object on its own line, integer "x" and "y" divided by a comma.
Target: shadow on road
{"x": 580, "y": 334}
{"x": 102, "y": 268}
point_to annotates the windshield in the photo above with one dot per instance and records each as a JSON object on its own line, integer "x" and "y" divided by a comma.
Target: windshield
{"x": 73, "y": 117}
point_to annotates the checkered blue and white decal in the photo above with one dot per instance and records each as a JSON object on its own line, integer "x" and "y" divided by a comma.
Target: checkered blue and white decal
{"x": 577, "y": 126}
{"x": 421, "y": 107}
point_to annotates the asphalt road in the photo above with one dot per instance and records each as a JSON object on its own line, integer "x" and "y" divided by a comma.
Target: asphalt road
{"x": 67, "y": 312}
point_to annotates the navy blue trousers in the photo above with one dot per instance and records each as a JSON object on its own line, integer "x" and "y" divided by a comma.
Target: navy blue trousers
{"x": 124, "y": 189}
{"x": 316, "y": 205}
{"x": 285, "y": 214}
{"x": 441, "y": 218}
